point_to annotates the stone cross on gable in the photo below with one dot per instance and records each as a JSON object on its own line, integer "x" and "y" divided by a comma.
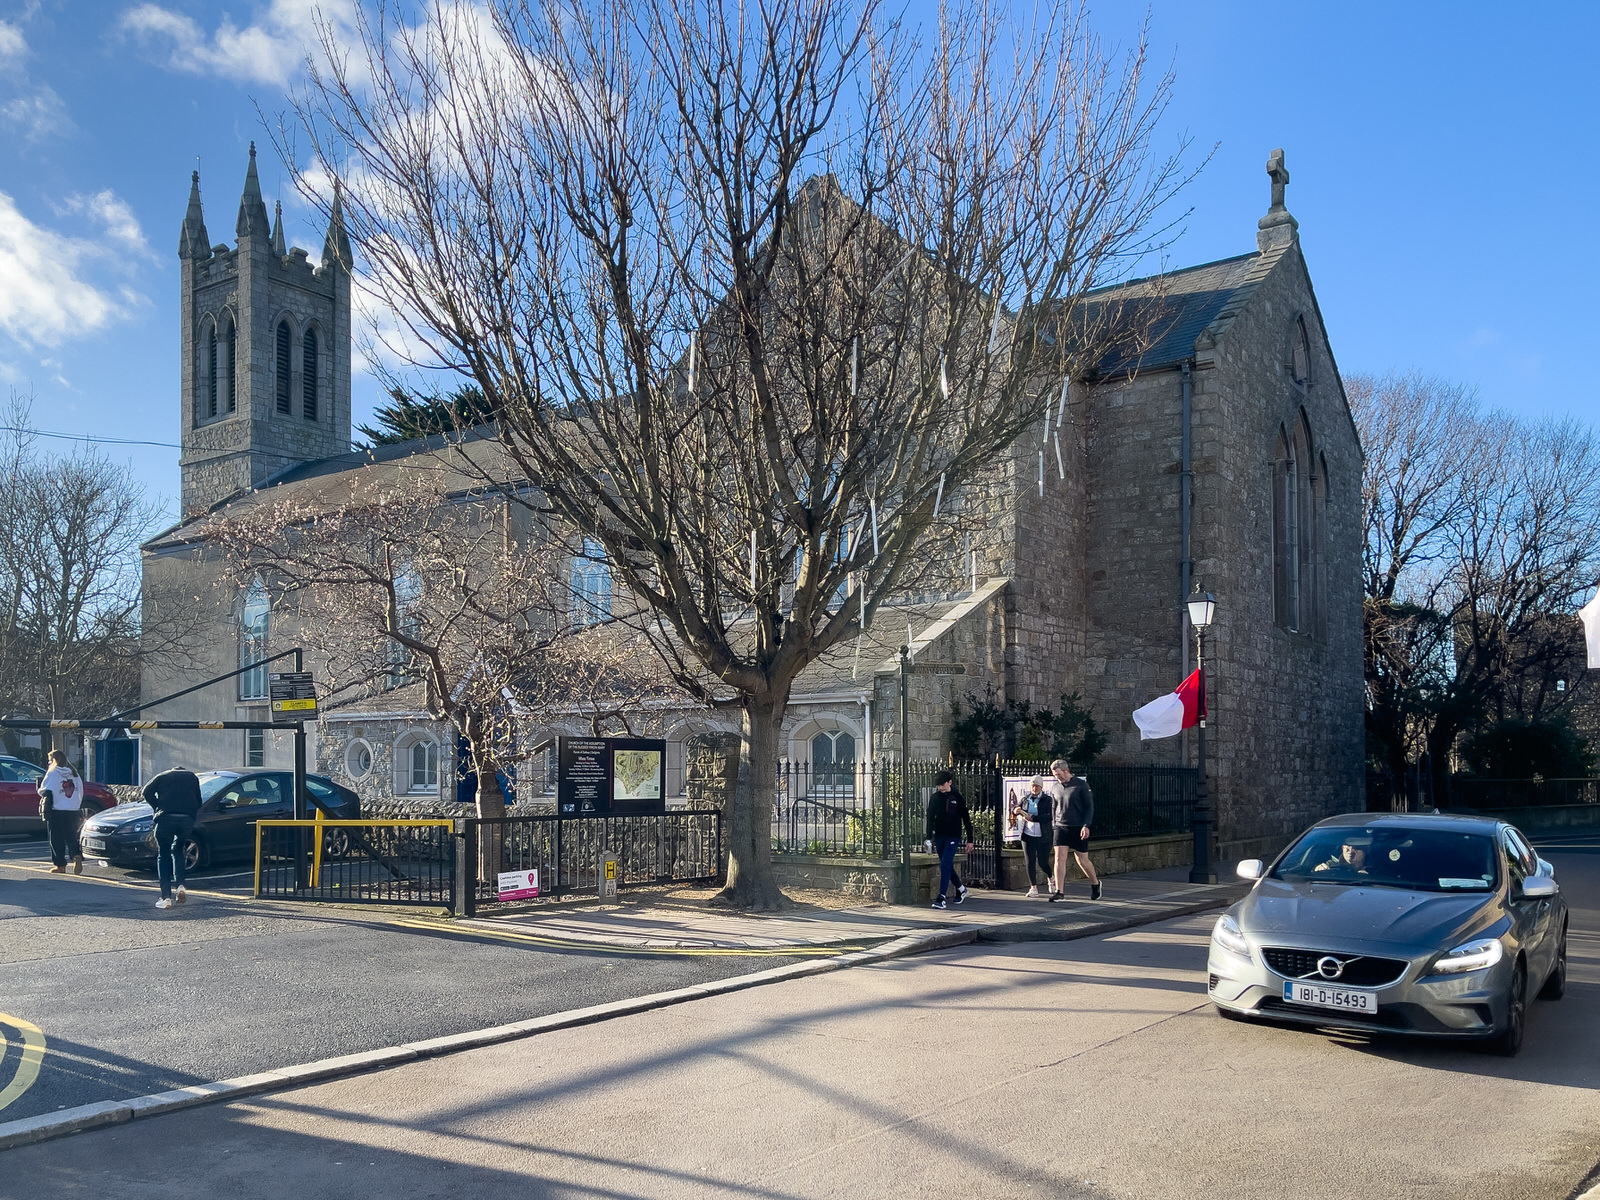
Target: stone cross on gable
{"x": 1279, "y": 175}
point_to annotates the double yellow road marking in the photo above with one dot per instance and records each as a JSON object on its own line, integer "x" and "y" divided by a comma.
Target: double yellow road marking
{"x": 32, "y": 1056}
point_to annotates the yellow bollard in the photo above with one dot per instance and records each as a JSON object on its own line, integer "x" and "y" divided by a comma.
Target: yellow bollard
{"x": 316, "y": 852}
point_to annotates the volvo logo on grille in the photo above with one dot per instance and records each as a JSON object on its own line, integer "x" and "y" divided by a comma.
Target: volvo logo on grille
{"x": 1329, "y": 967}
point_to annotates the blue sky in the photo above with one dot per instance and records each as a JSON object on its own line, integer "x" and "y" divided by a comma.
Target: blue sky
{"x": 1443, "y": 162}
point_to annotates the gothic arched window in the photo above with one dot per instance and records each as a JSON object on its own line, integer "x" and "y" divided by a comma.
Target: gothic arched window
{"x": 1297, "y": 510}
{"x": 211, "y": 371}
{"x": 233, "y": 364}
{"x": 254, "y": 618}
{"x": 282, "y": 362}
{"x": 308, "y": 372}
{"x": 1300, "y": 354}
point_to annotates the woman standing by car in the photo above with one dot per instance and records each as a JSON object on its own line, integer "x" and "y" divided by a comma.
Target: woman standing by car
{"x": 61, "y": 804}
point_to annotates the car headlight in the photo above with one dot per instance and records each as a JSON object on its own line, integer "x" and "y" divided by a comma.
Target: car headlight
{"x": 1474, "y": 956}
{"x": 140, "y": 827}
{"x": 1230, "y": 937}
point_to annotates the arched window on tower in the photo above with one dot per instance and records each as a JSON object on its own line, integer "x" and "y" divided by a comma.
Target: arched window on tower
{"x": 591, "y": 585}
{"x": 254, "y": 618}
{"x": 232, "y": 373}
{"x": 211, "y": 370}
{"x": 1297, "y": 507}
{"x": 282, "y": 362}
{"x": 308, "y": 371}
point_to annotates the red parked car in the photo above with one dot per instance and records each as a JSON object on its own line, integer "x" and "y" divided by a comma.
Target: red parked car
{"x": 19, "y": 796}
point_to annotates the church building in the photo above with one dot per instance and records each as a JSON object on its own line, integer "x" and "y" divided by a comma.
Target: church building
{"x": 1222, "y": 455}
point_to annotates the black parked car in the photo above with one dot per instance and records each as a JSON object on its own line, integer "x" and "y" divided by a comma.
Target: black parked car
{"x": 232, "y": 803}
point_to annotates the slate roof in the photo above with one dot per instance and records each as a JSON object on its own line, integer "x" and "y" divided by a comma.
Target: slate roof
{"x": 1177, "y": 308}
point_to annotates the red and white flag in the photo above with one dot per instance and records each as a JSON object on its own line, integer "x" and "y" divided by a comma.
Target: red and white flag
{"x": 1589, "y": 614}
{"x": 1171, "y": 714}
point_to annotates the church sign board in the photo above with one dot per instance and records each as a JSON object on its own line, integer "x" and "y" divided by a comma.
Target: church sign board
{"x": 293, "y": 697}
{"x": 611, "y": 777}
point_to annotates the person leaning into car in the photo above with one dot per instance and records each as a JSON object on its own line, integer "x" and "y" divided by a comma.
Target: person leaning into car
{"x": 174, "y": 797}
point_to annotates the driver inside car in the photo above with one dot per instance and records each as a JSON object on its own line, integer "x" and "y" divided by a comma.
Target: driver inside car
{"x": 1350, "y": 860}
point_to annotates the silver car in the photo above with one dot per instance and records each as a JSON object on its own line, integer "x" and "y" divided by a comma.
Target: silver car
{"x": 1443, "y": 926}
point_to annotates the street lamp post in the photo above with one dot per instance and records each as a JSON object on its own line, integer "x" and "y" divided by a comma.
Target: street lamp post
{"x": 1202, "y": 608}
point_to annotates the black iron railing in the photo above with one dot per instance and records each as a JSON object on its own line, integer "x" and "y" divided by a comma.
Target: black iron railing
{"x": 356, "y": 862}
{"x": 860, "y": 809}
{"x": 1481, "y": 794}
{"x": 424, "y": 862}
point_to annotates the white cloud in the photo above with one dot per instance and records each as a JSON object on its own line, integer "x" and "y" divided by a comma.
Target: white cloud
{"x": 13, "y": 46}
{"x": 45, "y": 298}
{"x": 38, "y": 114}
{"x": 269, "y": 50}
{"x": 114, "y": 215}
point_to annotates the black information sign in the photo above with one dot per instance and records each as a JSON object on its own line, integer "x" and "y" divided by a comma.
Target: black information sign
{"x": 293, "y": 696}
{"x": 601, "y": 777}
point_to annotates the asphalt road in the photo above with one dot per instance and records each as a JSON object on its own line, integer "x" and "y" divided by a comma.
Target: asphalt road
{"x": 134, "y": 1000}
{"x": 1088, "y": 1069}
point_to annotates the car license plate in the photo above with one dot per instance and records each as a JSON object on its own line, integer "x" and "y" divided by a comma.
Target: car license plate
{"x": 93, "y": 847}
{"x": 1327, "y": 997}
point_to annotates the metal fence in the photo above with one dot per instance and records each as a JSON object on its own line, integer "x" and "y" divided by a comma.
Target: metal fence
{"x": 861, "y": 809}
{"x": 357, "y": 862}
{"x": 423, "y": 862}
{"x": 1480, "y": 794}
{"x": 674, "y": 847}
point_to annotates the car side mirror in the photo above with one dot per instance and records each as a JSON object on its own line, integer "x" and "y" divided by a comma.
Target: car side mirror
{"x": 1251, "y": 868}
{"x": 1538, "y": 887}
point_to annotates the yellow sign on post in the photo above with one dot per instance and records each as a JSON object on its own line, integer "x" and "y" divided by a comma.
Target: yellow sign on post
{"x": 608, "y": 876}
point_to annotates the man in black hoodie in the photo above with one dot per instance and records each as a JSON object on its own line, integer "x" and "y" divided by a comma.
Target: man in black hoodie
{"x": 174, "y": 797}
{"x": 947, "y": 818}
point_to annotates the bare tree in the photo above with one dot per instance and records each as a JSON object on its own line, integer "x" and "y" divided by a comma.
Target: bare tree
{"x": 70, "y": 529}
{"x": 760, "y": 296}
{"x": 411, "y": 579}
{"x": 1481, "y": 539}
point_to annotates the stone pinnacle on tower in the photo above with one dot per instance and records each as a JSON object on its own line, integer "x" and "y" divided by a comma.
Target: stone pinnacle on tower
{"x": 1278, "y": 228}
{"x": 252, "y": 208}
{"x": 193, "y": 241}
{"x": 336, "y": 245}
{"x": 277, "y": 230}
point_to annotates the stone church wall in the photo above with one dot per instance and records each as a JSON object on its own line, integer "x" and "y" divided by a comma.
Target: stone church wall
{"x": 1287, "y": 707}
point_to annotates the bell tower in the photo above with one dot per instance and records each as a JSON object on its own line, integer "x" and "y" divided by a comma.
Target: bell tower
{"x": 266, "y": 349}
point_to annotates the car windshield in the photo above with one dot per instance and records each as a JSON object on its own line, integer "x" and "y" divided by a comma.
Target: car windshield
{"x": 1425, "y": 860}
{"x": 213, "y": 782}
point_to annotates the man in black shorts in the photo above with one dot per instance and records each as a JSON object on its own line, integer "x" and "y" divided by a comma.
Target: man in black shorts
{"x": 1071, "y": 815}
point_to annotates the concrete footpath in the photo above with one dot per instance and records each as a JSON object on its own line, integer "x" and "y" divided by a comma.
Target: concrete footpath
{"x": 824, "y": 939}
{"x": 661, "y": 923}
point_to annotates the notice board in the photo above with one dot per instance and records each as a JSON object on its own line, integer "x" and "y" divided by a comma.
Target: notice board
{"x": 608, "y": 777}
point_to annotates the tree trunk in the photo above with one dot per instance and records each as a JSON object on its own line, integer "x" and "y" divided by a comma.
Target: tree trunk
{"x": 751, "y": 883}
{"x": 490, "y": 800}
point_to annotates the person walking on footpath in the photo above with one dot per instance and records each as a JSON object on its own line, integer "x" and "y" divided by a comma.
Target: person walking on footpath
{"x": 1035, "y": 841}
{"x": 1071, "y": 816}
{"x": 174, "y": 796}
{"x": 947, "y": 819}
{"x": 61, "y": 805}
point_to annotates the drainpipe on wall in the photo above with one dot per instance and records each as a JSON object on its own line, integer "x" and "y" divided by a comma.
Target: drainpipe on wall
{"x": 866, "y": 721}
{"x": 1185, "y": 501}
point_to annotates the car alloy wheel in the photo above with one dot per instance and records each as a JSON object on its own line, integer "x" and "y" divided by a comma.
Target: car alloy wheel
{"x": 194, "y": 856}
{"x": 1509, "y": 1040}
{"x": 337, "y": 843}
{"x": 1555, "y": 986}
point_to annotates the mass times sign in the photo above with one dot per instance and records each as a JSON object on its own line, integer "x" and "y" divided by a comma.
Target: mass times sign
{"x": 609, "y": 777}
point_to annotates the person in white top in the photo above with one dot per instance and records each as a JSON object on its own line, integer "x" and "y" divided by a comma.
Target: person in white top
{"x": 61, "y": 797}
